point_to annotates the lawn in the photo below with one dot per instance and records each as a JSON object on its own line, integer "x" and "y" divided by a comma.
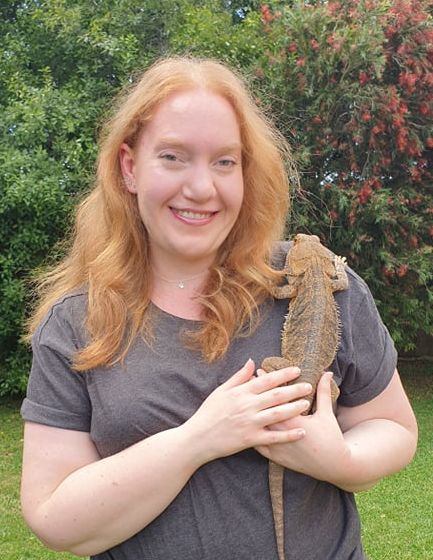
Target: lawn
{"x": 396, "y": 515}
{"x": 16, "y": 541}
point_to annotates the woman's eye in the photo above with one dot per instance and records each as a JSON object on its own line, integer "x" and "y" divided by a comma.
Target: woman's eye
{"x": 169, "y": 157}
{"x": 226, "y": 162}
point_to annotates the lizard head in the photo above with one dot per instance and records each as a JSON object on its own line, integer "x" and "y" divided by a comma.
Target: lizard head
{"x": 305, "y": 248}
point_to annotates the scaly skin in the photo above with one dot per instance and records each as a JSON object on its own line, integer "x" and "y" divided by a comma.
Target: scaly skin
{"x": 310, "y": 335}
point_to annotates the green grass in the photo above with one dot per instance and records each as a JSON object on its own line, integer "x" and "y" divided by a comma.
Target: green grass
{"x": 16, "y": 540}
{"x": 396, "y": 514}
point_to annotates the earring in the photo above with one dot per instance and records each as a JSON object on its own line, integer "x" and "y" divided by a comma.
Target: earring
{"x": 129, "y": 182}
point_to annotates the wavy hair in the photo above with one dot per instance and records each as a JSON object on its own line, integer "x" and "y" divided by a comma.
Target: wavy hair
{"x": 109, "y": 251}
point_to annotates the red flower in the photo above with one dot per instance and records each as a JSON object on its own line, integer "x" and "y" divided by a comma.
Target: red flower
{"x": 300, "y": 62}
{"x": 366, "y": 116}
{"x": 402, "y": 270}
{"x": 334, "y": 7}
{"x": 378, "y": 128}
{"x": 364, "y": 194}
{"x": 292, "y": 48}
{"x": 402, "y": 139}
{"x": 413, "y": 241}
{"x": 363, "y": 78}
{"x": 390, "y": 31}
{"x": 393, "y": 101}
{"x": 266, "y": 13}
{"x": 428, "y": 79}
{"x": 335, "y": 43}
{"x": 314, "y": 44}
{"x": 424, "y": 108}
{"x": 413, "y": 149}
{"x": 408, "y": 80}
{"x": 316, "y": 119}
{"x": 429, "y": 142}
{"x": 398, "y": 121}
{"x": 416, "y": 174}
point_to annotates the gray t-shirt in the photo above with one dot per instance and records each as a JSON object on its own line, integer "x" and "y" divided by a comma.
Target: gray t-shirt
{"x": 224, "y": 511}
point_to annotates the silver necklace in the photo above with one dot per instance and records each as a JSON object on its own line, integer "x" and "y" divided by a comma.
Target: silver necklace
{"x": 180, "y": 283}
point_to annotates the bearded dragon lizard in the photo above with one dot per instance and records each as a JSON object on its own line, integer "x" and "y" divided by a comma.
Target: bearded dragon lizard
{"x": 310, "y": 334}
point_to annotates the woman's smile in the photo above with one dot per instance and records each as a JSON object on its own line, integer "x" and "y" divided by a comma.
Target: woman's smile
{"x": 193, "y": 217}
{"x": 186, "y": 172}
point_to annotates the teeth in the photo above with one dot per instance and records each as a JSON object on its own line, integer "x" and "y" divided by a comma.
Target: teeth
{"x": 194, "y": 215}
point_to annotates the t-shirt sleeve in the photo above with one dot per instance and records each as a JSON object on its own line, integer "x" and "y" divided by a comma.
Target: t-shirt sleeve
{"x": 367, "y": 357}
{"x": 56, "y": 394}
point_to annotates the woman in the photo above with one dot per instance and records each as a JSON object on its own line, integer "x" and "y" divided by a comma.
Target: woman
{"x": 148, "y": 432}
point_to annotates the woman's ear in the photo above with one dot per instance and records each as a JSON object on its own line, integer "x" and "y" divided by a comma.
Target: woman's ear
{"x": 127, "y": 166}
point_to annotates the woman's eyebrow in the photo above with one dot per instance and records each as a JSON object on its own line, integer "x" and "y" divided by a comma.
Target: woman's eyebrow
{"x": 172, "y": 142}
{"x": 169, "y": 142}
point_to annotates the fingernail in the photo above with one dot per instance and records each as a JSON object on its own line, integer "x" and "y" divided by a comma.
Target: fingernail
{"x": 300, "y": 433}
{"x": 307, "y": 387}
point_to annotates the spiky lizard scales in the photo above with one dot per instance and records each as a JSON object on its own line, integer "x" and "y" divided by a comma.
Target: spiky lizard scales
{"x": 310, "y": 334}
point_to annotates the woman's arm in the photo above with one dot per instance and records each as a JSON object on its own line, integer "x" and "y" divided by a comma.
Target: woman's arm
{"x": 381, "y": 435}
{"x": 358, "y": 446}
{"x": 75, "y": 501}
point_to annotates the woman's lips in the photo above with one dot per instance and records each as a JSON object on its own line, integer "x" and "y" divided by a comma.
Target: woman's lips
{"x": 193, "y": 216}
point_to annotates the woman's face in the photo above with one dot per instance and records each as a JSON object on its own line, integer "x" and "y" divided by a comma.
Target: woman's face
{"x": 187, "y": 175}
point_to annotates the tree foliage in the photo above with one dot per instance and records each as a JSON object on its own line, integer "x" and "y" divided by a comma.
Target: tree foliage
{"x": 348, "y": 82}
{"x": 60, "y": 64}
{"x": 351, "y": 85}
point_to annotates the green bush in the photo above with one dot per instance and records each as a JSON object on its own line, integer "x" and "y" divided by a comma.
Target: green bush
{"x": 60, "y": 64}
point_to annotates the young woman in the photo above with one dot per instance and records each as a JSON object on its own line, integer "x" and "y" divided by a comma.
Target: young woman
{"x": 147, "y": 432}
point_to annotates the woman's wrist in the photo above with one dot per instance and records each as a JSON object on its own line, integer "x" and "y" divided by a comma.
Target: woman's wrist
{"x": 194, "y": 444}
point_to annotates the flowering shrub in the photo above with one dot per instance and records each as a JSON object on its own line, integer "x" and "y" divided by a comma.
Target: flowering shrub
{"x": 351, "y": 85}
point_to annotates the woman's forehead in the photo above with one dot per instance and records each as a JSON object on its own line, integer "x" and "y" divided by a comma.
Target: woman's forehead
{"x": 194, "y": 114}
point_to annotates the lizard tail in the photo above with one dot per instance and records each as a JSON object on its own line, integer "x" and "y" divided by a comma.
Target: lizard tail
{"x": 276, "y": 477}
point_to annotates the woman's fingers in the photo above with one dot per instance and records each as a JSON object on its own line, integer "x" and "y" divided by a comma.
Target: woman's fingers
{"x": 323, "y": 394}
{"x": 281, "y": 395}
{"x": 282, "y": 413}
{"x": 241, "y": 376}
{"x": 266, "y": 381}
{"x": 269, "y": 437}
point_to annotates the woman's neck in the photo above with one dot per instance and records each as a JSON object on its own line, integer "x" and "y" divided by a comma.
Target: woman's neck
{"x": 179, "y": 301}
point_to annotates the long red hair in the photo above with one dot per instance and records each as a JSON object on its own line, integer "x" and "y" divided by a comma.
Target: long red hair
{"x": 109, "y": 251}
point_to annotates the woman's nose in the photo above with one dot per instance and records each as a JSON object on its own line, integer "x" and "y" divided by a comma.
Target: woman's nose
{"x": 199, "y": 184}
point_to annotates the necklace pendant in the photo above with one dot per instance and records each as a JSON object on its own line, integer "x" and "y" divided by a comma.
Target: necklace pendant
{"x": 181, "y": 285}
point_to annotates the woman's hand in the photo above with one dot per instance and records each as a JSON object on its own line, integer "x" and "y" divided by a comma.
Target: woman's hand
{"x": 237, "y": 414}
{"x": 322, "y": 453}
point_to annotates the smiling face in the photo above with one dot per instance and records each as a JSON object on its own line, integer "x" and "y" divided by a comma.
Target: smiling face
{"x": 186, "y": 171}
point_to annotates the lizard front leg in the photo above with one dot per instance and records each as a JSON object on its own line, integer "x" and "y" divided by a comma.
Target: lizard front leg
{"x": 339, "y": 281}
